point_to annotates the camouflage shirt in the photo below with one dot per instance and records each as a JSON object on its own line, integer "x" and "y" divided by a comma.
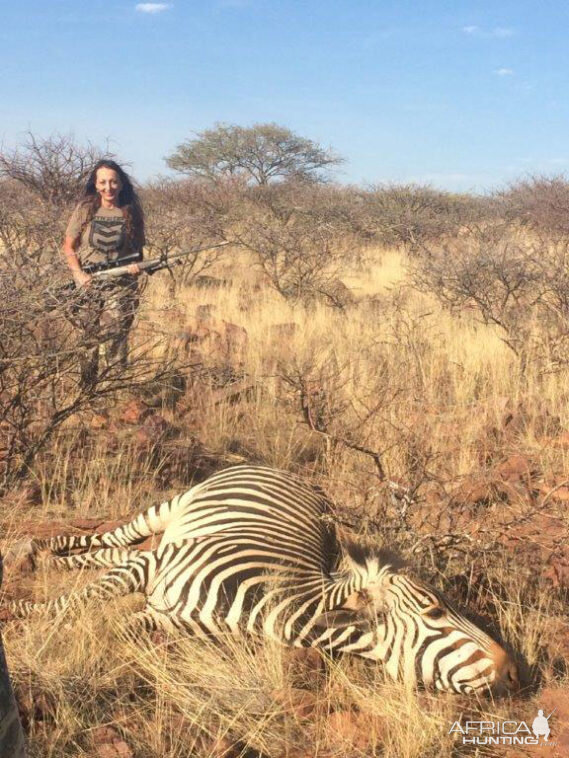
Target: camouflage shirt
{"x": 103, "y": 239}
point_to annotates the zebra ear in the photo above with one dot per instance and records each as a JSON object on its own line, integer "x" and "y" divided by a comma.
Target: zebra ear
{"x": 369, "y": 603}
{"x": 338, "y": 618}
{"x": 358, "y": 601}
{"x": 359, "y": 607}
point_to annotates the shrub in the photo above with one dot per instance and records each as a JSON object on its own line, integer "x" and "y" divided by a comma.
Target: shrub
{"x": 413, "y": 215}
{"x": 540, "y": 203}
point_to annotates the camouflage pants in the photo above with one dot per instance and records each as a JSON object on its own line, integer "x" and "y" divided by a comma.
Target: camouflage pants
{"x": 105, "y": 313}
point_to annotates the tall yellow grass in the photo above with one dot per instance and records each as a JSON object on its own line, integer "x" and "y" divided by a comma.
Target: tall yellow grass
{"x": 435, "y": 379}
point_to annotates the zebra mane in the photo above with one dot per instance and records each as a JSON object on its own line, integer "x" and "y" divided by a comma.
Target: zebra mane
{"x": 363, "y": 554}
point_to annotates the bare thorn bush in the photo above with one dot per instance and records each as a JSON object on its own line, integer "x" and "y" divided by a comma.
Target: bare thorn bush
{"x": 53, "y": 168}
{"x": 301, "y": 239}
{"x": 518, "y": 284}
{"x": 41, "y": 352}
{"x": 412, "y": 215}
{"x": 540, "y": 203}
{"x": 181, "y": 216}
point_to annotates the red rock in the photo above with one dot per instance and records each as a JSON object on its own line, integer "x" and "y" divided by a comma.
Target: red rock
{"x": 304, "y": 662}
{"x": 29, "y": 494}
{"x": 301, "y": 703}
{"x": 561, "y": 494}
{"x": 517, "y": 468}
{"x": 35, "y": 706}
{"x": 98, "y": 421}
{"x": 134, "y": 412}
{"x": 561, "y": 441}
{"x": 476, "y": 492}
{"x": 349, "y": 729}
{"x": 555, "y": 490}
{"x": 154, "y": 429}
{"x": 109, "y": 744}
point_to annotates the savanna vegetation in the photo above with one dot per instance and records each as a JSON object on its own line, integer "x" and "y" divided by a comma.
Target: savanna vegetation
{"x": 403, "y": 347}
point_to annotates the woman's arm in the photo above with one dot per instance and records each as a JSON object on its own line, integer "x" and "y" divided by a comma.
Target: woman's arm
{"x": 80, "y": 278}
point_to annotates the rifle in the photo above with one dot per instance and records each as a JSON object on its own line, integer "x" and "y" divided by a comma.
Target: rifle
{"x": 121, "y": 267}
{"x": 104, "y": 272}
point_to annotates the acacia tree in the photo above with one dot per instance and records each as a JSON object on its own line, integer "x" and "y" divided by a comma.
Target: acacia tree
{"x": 257, "y": 154}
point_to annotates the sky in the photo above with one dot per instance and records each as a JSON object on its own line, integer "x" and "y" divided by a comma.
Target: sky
{"x": 463, "y": 95}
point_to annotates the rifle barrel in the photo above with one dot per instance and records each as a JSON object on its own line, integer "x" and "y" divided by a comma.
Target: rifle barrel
{"x": 153, "y": 263}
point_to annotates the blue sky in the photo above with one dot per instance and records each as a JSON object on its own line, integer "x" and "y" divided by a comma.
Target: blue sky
{"x": 462, "y": 95}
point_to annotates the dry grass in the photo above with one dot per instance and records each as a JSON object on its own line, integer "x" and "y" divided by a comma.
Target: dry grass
{"x": 435, "y": 383}
{"x": 188, "y": 698}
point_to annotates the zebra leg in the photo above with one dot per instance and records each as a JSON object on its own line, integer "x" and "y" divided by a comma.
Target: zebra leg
{"x": 105, "y": 558}
{"x": 132, "y": 576}
{"x": 149, "y": 620}
{"x": 152, "y": 521}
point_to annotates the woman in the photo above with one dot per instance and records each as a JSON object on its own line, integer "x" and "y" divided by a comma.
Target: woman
{"x": 106, "y": 229}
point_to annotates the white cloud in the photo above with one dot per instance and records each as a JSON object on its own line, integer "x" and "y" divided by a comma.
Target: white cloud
{"x": 234, "y": 3}
{"x": 504, "y": 71}
{"x": 152, "y": 7}
{"x": 498, "y": 32}
{"x": 502, "y": 32}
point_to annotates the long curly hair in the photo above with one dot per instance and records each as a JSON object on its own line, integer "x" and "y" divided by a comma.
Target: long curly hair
{"x": 128, "y": 203}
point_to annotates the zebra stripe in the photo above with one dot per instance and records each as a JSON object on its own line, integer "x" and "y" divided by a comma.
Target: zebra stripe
{"x": 124, "y": 579}
{"x": 153, "y": 521}
{"x": 252, "y": 550}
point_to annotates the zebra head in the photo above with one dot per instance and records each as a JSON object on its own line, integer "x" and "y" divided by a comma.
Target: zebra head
{"x": 415, "y": 632}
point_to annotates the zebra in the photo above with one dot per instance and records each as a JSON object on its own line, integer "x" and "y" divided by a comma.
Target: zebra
{"x": 253, "y": 550}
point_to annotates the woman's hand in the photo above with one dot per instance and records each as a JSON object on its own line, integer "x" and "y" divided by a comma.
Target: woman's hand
{"x": 134, "y": 269}
{"x": 82, "y": 279}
